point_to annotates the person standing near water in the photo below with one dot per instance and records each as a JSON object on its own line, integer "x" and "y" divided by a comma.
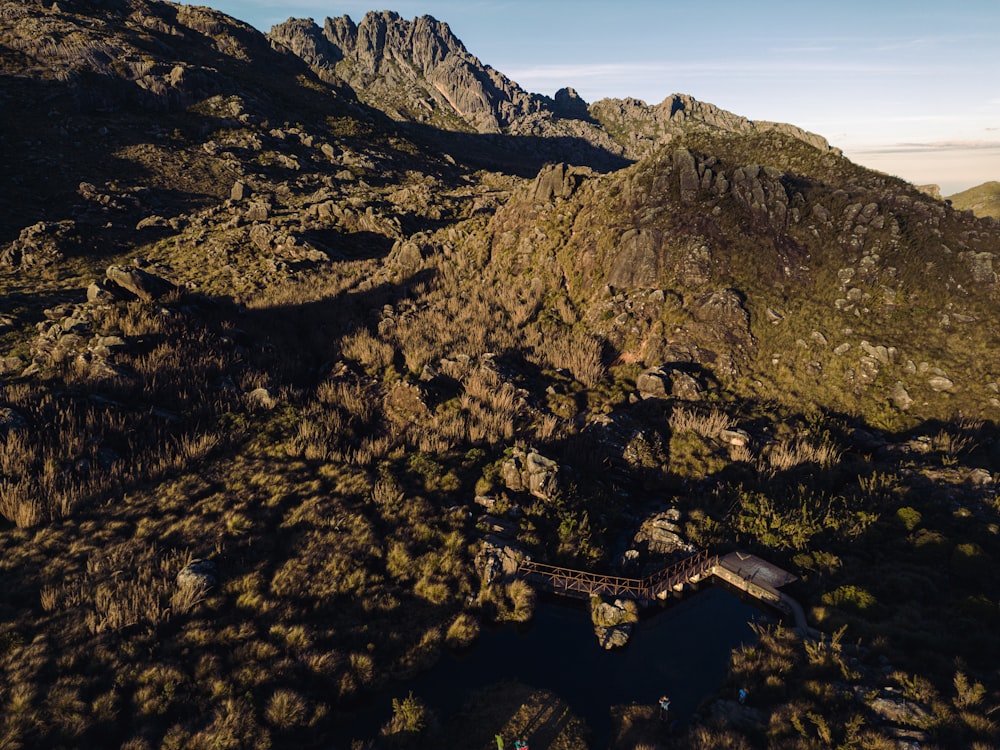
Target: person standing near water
{"x": 499, "y": 742}
{"x": 743, "y": 696}
{"x": 664, "y": 708}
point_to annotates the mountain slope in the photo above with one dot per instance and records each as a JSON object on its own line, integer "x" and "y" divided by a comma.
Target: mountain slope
{"x": 815, "y": 279}
{"x": 983, "y": 200}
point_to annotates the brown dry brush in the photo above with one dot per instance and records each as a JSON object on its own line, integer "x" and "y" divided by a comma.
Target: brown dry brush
{"x": 89, "y": 438}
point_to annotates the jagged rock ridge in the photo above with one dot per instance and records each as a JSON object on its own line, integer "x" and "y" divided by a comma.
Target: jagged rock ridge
{"x": 415, "y": 70}
{"x": 419, "y": 71}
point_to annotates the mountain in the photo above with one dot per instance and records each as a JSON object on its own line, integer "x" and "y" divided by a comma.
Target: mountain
{"x": 307, "y": 339}
{"x": 983, "y": 200}
{"x": 418, "y": 71}
{"x": 862, "y": 292}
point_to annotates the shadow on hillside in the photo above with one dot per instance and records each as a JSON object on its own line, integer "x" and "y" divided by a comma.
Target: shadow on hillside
{"x": 349, "y": 245}
{"x": 521, "y": 155}
{"x": 297, "y": 343}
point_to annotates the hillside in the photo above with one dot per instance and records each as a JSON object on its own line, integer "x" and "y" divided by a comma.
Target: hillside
{"x": 307, "y": 338}
{"x": 983, "y": 200}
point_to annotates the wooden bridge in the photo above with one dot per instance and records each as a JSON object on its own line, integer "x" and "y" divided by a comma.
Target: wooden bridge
{"x": 656, "y": 586}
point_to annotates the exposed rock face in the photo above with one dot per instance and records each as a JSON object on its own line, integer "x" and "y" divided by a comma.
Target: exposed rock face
{"x": 653, "y": 126}
{"x": 419, "y": 71}
{"x": 723, "y": 320}
{"x": 40, "y": 245}
{"x": 558, "y": 181}
{"x": 415, "y": 70}
{"x": 306, "y": 39}
{"x": 637, "y": 263}
{"x": 497, "y": 561}
{"x": 570, "y": 105}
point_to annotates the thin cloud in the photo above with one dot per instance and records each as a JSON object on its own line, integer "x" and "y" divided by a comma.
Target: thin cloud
{"x": 896, "y": 46}
{"x": 803, "y": 50}
{"x": 912, "y": 148}
{"x": 726, "y": 68}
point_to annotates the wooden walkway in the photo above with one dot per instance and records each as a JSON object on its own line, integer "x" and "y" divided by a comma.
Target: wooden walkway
{"x": 748, "y": 573}
{"x": 656, "y": 586}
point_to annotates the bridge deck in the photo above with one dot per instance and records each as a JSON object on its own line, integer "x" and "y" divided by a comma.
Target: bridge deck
{"x": 579, "y": 582}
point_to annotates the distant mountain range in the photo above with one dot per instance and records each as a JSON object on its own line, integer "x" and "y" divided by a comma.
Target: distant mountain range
{"x": 418, "y": 71}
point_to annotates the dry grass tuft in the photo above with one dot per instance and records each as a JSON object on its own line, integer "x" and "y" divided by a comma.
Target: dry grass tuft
{"x": 707, "y": 424}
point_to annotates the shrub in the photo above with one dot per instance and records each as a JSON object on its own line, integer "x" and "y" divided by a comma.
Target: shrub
{"x": 909, "y": 517}
{"x": 286, "y": 709}
{"x": 464, "y": 629}
{"x": 409, "y": 715}
{"x": 850, "y": 598}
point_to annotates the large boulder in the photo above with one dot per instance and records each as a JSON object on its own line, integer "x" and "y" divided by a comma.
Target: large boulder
{"x": 198, "y": 575}
{"x": 662, "y": 533}
{"x": 143, "y": 284}
{"x": 613, "y": 622}
{"x": 653, "y": 383}
{"x": 531, "y": 471}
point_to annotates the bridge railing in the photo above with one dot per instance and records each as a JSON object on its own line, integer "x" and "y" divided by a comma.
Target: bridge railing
{"x": 644, "y": 589}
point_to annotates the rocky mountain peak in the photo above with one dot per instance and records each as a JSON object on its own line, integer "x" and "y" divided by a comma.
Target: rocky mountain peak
{"x": 413, "y": 70}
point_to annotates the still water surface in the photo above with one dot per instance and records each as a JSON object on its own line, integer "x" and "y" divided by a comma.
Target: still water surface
{"x": 681, "y": 651}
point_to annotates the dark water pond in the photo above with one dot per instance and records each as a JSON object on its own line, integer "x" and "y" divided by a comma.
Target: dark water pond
{"x": 681, "y": 651}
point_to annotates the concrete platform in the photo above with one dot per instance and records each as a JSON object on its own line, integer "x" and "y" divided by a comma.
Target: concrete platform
{"x": 755, "y": 570}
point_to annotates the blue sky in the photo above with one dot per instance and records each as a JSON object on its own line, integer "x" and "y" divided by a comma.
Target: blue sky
{"x": 910, "y": 88}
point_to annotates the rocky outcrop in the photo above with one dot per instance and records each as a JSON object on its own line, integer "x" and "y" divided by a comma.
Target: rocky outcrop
{"x": 529, "y": 471}
{"x": 420, "y": 71}
{"x": 41, "y": 245}
{"x": 613, "y": 622}
{"x": 637, "y": 263}
{"x": 662, "y": 533}
{"x": 497, "y": 561}
{"x": 645, "y": 128}
{"x": 557, "y": 181}
{"x": 306, "y": 39}
{"x": 668, "y": 382}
